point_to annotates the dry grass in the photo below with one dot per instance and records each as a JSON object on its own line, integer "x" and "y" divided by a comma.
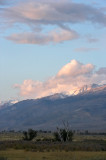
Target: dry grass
{"x": 23, "y": 155}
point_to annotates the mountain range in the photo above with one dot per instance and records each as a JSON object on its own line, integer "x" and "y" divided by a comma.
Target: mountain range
{"x": 85, "y": 109}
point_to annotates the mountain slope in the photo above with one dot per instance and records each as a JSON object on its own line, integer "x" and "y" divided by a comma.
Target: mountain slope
{"x": 83, "y": 111}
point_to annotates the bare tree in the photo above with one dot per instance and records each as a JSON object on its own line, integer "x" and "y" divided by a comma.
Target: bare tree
{"x": 64, "y": 134}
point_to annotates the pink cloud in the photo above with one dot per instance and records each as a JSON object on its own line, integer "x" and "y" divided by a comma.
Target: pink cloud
{"x": 72, "y": 76}
{"x": 75, "y": 68}
{"x": 38, "y": 14}
{"x": 51, "y": 37}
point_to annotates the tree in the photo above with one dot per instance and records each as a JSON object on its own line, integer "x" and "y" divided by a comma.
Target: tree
{"x": 25, "y": 135}
{"x": 57, "y": 136}
{"x": 64, "y": 134}
{"x": 29, "y": 135}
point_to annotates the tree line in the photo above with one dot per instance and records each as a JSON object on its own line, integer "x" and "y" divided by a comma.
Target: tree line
{"x": 62, "y": 134}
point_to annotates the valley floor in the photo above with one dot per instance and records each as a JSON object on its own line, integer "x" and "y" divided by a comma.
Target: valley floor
{"x": 83, "y": 147}
{"x": 56, "y": 155}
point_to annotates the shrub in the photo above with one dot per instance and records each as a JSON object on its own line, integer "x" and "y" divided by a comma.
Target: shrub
{"x": 29, "y": 135}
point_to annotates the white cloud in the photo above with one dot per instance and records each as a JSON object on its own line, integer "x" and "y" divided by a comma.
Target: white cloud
{"x": 72, "y": 76}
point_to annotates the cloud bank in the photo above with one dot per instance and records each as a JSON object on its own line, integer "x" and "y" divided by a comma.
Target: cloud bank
{"x": 38, "y": 15}
{"x": 70, "y": 78}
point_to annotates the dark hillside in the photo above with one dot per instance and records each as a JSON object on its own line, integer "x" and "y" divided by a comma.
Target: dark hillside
{"x": 84, "y": 111}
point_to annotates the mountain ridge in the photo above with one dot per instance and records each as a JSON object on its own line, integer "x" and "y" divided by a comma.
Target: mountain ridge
{"x": 83, "y": 111}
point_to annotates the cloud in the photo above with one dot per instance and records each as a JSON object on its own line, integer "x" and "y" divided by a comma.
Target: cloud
{"x": 102, "y": 71}
{"x": 49, "y": 12}
{"x": 75, "y": 68}
{"x": 35, "y": 38}
{"x": 72, "y": 76}
{"x": 2, "y": 2}
{"x": 84, "y": 49}
{"x": 92, "y": 40}
{"x": 6, "y": 2}
{"x": 60, "y": 14}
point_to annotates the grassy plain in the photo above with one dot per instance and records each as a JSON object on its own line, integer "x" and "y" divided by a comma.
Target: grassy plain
{"x": 56, "y": 155}
{"x": 6, "y": 136}
{"x": 83, "y": 147}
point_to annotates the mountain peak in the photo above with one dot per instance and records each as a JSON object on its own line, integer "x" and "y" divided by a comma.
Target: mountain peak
{"x": 57, "y": 96}
{"x": 87, "y": 88}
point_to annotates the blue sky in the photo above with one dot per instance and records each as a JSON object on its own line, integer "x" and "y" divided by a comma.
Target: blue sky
{"x": 38, "y": 38}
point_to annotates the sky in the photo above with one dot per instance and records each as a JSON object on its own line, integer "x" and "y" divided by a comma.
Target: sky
{"x": 51, "y": 46}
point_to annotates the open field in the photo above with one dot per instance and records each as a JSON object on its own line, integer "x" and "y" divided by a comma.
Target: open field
{"x": 37, "y": 146}
{"x": 56, "y": 155}
{"x": 6, "y": 136}
{"x": 83, "y": 147}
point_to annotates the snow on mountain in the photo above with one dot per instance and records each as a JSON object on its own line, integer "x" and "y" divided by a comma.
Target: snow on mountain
{"x": 7, "y": 103}
{"x": 87, "y": 89}
{"x": 56, "y": 96}
{"x": 83, "y": 90}
{"x": 85, "y": 111}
